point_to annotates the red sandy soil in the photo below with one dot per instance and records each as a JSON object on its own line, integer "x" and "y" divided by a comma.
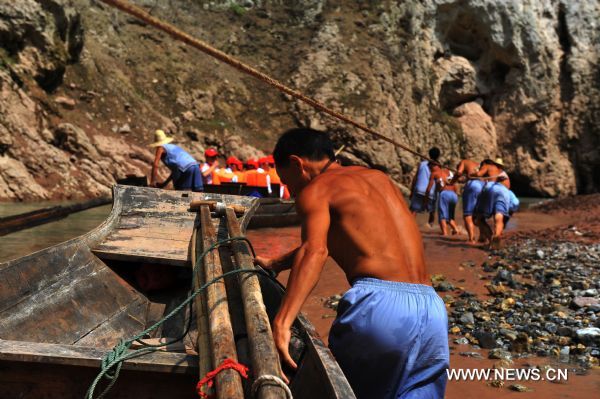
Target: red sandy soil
{"x": 447, "y": 255}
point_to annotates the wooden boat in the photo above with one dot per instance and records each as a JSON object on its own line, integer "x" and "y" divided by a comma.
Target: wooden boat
{"x": 63, "y": 308}
{"x": 271, "y": 212}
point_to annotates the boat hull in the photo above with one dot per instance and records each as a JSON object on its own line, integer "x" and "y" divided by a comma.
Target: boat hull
{"x": 63, "y": 308}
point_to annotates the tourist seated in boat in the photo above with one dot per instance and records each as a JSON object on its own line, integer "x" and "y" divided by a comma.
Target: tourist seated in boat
{"x": 419, "y": 184}
{"x": 259, "y": 177}
{"x": 494, "y": 201}
{"x": 251, "y": 164}
{"x": 210, "y": 165}
{"x": 237, "y": 167}
{"x": 358, "y": 216}
{"x": 185, "y": 173}
{"x": 269, "y": 166}
{"x": 471, "y": 191}
{"x": 226, "y": 175}
{"x": 441, "y": 179}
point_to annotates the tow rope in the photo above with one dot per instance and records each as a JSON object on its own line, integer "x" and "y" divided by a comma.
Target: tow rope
{"x": 180, "y": 35}
{"x": 208, "y": 379}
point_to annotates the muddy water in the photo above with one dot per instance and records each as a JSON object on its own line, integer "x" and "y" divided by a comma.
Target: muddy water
{"x": 24, "y": 242}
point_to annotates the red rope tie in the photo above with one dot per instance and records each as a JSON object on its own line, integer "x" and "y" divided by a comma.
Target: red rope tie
{"x": 208, "y": 379}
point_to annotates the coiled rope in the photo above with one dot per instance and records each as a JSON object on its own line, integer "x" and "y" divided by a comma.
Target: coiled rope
{"x": 113, "y": 360}
{"x": 180, "y": 35}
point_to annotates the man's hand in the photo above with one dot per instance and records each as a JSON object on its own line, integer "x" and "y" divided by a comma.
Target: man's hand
{"x": 265, "y": 263}
{"x": 282, "y": 336}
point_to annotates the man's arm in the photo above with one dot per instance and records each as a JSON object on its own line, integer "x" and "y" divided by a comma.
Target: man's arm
{"x": 154, "y": 172}
{"x": 481, "y": 173}
{"x": 431, "y": 182}
{"x": 164, "y": 184}
{"x": 307, "y": 266}
{"x": 279, "y": 264}
{"x": 460, "y": 170}
{"x": 211, "y": 168}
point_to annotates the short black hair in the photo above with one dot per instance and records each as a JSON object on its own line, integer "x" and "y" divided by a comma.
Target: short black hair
{"x": 434, "y": 153}
{"x": 305, "y": 143}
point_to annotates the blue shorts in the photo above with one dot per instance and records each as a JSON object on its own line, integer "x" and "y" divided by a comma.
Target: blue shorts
{"x": 494, "y": 199}
{"x": 470, "y": 195}
{"x": 391, "y": 340}
{"x": 514, "y": 202}
{"x": 190, "y": 179}
{"x": 447, "y": 205}
{"x": 416, "y": 204}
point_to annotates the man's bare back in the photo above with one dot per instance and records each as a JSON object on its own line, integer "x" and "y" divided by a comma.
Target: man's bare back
{"x": 467, "y": 167}
{"x": 371, "y": 231}
{"x": 494, "y": 174}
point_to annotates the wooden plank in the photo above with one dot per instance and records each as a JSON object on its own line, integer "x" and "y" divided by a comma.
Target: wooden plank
{"x": 36, "y": 380}
{"x": 228, "y": 382}
{"x": 69, "y": 309}
{"x": 125, "y": 322}
{"x": 36, "y": 352}
{"x": 23, "y": 277}
{"x": 265, "y": 360}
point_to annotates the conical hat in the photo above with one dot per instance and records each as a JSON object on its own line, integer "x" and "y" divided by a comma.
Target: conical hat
{"x": 161, "y": 138}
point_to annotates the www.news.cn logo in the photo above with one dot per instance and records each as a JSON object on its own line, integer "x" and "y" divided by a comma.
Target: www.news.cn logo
{"x": 533, "y": 374}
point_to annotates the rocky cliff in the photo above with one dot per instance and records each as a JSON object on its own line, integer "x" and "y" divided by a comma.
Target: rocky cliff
{"x": 83, "y": 86}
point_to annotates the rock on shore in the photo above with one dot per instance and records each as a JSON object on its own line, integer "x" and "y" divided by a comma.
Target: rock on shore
{"x": 545, "y": 302}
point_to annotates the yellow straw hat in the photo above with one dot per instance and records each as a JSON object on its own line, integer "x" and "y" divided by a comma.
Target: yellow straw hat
{"x": 160, "y": 138}
{"x": 499, "y": 162}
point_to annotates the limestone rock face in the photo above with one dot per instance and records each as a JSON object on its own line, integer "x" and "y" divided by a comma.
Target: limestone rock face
{"x": 534, "y": 63}
{"x": 456, "y": 80}
{"x": 83, "y": 87}
{"x": 479, "y": 131}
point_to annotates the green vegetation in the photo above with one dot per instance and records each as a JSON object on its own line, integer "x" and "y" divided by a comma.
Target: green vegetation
{"x": 6, "y": 60}
{"x": 237, "y": 9}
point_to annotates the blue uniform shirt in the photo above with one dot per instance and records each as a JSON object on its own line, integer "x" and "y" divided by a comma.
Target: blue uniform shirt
{"x": 177, "y": 159}
{"x": 423, "y": 175}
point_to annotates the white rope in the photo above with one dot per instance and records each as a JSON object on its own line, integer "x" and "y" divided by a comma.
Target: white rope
{"x": 272, "y": 380}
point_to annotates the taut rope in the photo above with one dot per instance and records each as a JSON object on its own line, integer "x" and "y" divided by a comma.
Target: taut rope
{"x": 231, "y": 61}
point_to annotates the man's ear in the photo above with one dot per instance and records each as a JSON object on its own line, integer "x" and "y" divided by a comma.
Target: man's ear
{"x": 296, "y": 162}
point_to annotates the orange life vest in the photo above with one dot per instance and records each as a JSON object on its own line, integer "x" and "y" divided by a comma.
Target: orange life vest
{"x": 274, "y": 176}
{"x": 215, "y": 178}
{"x": 241, "y": 175}
{"x": 224, "y": 176}
{"x": 255, "y": 178}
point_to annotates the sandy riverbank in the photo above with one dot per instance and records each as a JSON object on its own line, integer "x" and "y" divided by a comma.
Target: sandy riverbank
{"x": 572, "y": 220}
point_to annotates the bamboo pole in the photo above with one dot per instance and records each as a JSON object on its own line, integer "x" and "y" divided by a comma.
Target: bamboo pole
{"x": 203, "y": 344}
{"x": 265, "y": 360}
{"x": 228, "y": 382}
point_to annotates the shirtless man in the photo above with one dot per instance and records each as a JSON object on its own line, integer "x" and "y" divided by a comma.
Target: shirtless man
{"x": 471, "y": 191}
{"x": 441, "y": 178}
{"x": 494, "y": 201}
{"x": 390, "y": 334}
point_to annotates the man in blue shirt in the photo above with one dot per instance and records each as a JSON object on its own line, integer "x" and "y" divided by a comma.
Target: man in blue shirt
{"x": 185, "y": 172}
{"x": 419, "y": 186}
